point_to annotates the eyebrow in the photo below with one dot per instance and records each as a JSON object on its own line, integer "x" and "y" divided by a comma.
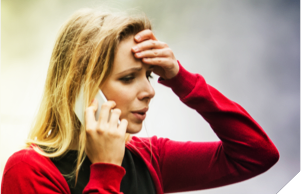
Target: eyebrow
{"x": 135, "y": 69}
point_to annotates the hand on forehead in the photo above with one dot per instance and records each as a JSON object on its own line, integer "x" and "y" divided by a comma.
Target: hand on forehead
{"x": 156, "y": 53}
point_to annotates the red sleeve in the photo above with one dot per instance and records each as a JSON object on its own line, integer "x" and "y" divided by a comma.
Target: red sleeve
{"x": 104, "y": 179}
{"x": 244, "y": 151}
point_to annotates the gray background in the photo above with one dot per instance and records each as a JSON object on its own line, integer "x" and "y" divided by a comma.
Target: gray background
{"x": 247, "y": 49}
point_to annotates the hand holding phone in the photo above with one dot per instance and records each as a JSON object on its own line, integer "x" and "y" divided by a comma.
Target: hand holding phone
{"x": 105, "y": 143}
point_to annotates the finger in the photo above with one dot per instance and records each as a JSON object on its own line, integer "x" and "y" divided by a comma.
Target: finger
{"x": 144, "y": 35}
{"x": 153, "y": 53}
{"x": 94, "y": 104}
{"x": 105, "y": 111}
{"x": 165, "y": 67}
{"x": 90, "y": 113}
{"x": 123, "y": 126}
{"x": 147, "y": 45}
{"x": 115, "y": 114}
{"x": 160, "y": 61}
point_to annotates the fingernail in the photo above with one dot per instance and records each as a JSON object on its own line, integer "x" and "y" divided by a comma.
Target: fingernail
{"x": 138, "y": 54}
{"x": 135, "y": 48}
{"x": 138, "y": 37}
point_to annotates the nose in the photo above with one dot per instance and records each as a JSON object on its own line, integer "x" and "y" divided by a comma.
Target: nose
{"x": 147, "y": 91}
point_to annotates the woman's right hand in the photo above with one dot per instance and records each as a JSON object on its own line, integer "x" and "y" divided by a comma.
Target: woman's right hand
{"x": 105, "y": 139}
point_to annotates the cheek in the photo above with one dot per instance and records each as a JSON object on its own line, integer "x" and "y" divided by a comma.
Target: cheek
{"x": 123, "y": 100}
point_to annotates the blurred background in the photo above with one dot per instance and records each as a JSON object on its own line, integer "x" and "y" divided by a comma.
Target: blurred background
{"x": 249, "y": 50}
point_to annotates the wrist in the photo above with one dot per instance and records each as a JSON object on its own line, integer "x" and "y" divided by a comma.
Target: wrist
{"x": 183, "y": 83}
{"x": 172, "y": 72}
{"x": 95, "y": 161}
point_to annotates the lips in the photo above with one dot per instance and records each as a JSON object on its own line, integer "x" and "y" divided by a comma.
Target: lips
{"x": 141, "y": 111}
{"x": 140, "y": 114}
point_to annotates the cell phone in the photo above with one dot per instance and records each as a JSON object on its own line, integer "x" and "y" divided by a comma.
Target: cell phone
{"x": 79, "y": 104}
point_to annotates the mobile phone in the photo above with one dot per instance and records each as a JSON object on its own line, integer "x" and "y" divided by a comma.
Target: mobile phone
{"x": 79, "y": 104}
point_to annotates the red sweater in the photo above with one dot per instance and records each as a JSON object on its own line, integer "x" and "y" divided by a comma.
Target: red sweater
{"x": 244, "y": 151}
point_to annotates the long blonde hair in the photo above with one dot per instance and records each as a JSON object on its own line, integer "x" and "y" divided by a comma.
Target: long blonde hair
{"x": 83, "y": 53}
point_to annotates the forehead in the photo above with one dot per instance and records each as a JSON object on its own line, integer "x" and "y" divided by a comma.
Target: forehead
{"x": 124, "y": 57}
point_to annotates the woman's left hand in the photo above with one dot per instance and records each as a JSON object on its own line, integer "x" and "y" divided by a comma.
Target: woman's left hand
{"x": 154, "y": 52}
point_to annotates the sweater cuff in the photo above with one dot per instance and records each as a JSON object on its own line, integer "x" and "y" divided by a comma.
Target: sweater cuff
{"x": 182, "y": 84}
{"x": 105, "y": 177}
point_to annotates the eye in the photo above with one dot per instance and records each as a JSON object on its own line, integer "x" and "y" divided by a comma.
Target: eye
{"x": 127, "y": 79}
{"x": 149, "y": 76}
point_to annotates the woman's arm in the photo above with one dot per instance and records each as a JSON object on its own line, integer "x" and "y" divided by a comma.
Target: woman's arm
{"x": 105, "y": 148}
{"x": 244, "y": 150}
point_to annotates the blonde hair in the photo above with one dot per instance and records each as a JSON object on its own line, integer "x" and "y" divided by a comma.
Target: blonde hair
{"x": 83, "y": 53}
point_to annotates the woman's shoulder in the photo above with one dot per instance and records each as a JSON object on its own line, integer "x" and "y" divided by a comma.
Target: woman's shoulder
{"x": 147, "y": 145}
{"x": 153, "y": 140}
{"x": 147, "y": 141}
{"x": 27, "y": 157}
{"x": 26, "y": 169}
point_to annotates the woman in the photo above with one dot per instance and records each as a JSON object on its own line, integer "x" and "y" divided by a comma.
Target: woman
{"x": 117, "y": 53}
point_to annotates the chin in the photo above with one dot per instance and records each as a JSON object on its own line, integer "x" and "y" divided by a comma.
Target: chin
{"x": 134, "y": 128}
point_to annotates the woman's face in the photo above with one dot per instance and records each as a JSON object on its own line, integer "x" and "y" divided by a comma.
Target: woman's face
{"x": 128, "y": 85}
